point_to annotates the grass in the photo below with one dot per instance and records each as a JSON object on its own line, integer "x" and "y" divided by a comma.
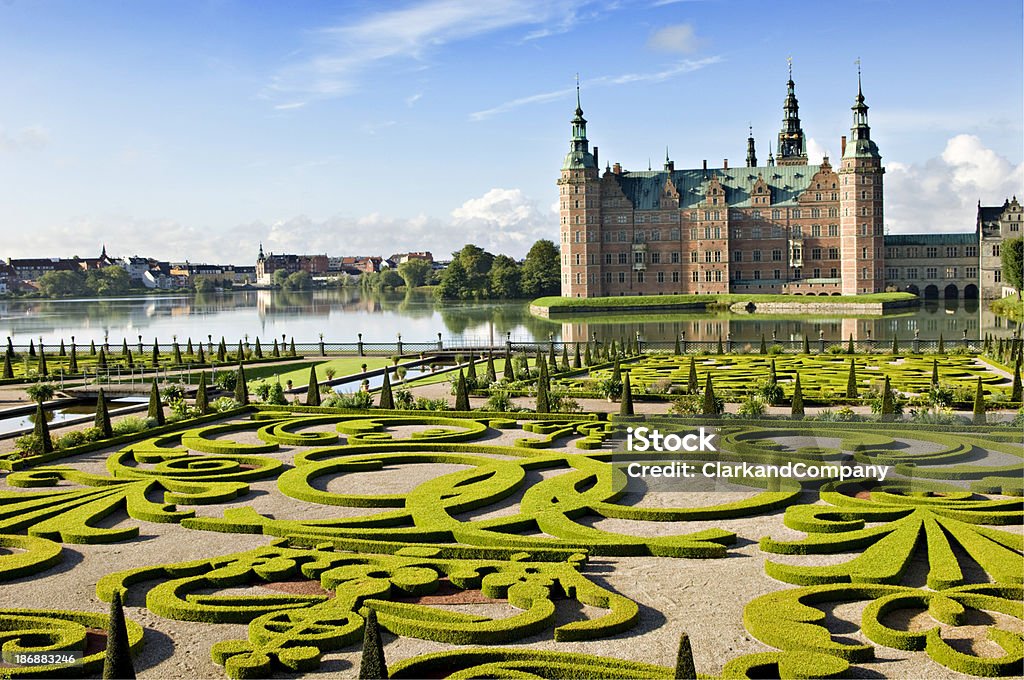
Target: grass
{"x": 553, "y": 302}
{"x": 1009, "y": 307}
{"x": 298, "y": 373}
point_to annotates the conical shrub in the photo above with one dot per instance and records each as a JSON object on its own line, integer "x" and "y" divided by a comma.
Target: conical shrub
{"x": 1015, "y": 391}
{"x": 42, "y": 368}
{"x": 201, "y": 355}
{"x": 626, "y": 405}
{"x": 849, "y": 346}
{"x": 677, "y": 349}
{"x": 577, "y": 360}
{"x": 807, "y": 345}
{"x": 276, "y": 352}
{"x": 312, "y": 389}
{"x": 73, "y": 361}
{"x": 764, "y": 345}
{"x": 202, "y": 402}
{"x": 154, "y": 360}
{"x": 490, "y": 375}
{"x": 189, "y": 350}
{"x": 259, "y": 349}
{"x": 797, "y": 408}
{"x": 387, "y": 398}
{"x": 710, "y": 403}
{"x": 222, "y": 351}
{"x": 241, "y": 387}
{"x": 719, "y": 349}
{"x": 543, "y": 402}
{"x": 101, "y": 359}
{"x": 979, "y": 404}
{"x": 773, "y": 376}
{"x": 942, "y": 344}
{"x": 176, "y": 354}
{"x": 239, "y": 353}
{"x": 471, "y": 377}
{"x": 888, "y": 403}
{"x": 851, "y": 381}
{"x": 63, "y": 352}
{"x": 117, "y": 662}
{"x": 372, "y": 665}
{"x": 291, "y": 349}
{"x": 124, "y": 348}
{"x": 41, "y": 429}
{"x": 895, "y": 344}
{"x": 8, "y": 369}
{"x": 935, "y": 373}
{"x": 691, "y": 380}
{"x": 156, "y": 407}
{"x": 461, "y": 393}
{"x": 616, "y": 371}
{"x": 588, "y": 359}
{"x": 565, "y": 358}
{"x": 508, "y": 373}
{"x": 102, "y": 420}
{"x": 685, "y": 668}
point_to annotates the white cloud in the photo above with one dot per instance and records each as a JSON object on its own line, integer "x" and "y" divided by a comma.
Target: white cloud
{"x": 290, "y": 105}
{"x": 685, "y": 66}
{"x": 679, "y": 38}
{"x": 815, "y": 152}
{"x": 341, "y": 54}
{"x": 942, "y": 194}
{"x": 27, "y": 139}
{"x": 412, "y": 99}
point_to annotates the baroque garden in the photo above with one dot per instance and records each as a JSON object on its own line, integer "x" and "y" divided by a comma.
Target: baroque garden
{"x": 471, "y": 523}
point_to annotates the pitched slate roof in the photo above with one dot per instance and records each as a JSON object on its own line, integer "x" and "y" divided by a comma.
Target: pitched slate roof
{"x": 787, "y": 182}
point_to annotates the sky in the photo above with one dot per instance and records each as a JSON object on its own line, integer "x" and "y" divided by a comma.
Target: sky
{"x": 190, "y": 129}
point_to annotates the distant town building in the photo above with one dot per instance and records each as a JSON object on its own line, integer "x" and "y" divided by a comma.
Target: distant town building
{"x": 268, "y": 264}
{"x": 399, "y": 258}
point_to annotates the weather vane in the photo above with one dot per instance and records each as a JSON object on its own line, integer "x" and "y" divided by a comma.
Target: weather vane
{"x": 789, "y": 60}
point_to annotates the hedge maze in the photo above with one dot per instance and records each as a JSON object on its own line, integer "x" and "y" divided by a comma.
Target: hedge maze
{"x": 823, "y": 377}
{"x": 512, "y": 512}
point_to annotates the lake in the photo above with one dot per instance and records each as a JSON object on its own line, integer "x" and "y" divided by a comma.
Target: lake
{"x": 341, "y": 314}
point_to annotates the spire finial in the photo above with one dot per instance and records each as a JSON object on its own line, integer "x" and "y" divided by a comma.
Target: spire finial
{"x": 648, "y": 164}
{"x": 859, "y": 91}
{"x": 578, "y": 91}
{"x": 789, "y": 61}
{"x": 750, "y": 129}
{"x": 666, "y": 153}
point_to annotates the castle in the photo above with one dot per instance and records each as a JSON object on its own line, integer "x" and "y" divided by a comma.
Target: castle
{"x": 785, "y": 227}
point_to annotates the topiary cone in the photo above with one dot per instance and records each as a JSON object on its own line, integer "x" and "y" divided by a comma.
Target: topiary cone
{"x": 241, "y": 387}
{"x": 979, "y": 404}
{"x": 797, "y": 409}
{"x": 312, "y": 389}
{"x": 710, "y": 404}
{"x": 543, "y": 403}
{"x": 117, "y": 662}
{"x": 851, "y": 381}
{"x": 387, "y": 398}
{"x": 202, "y": 403}
{"x": 461, "y": 393}
{"x": 102, "y": 420}
{"x": 691, "y": 381}
{"x": 372, "y": 665}
{"x": 42, "y": 429}
{"x": 685, "y": 668}
{"x": 156, "y": 408}
{"x": 8, "y": 369}
{"x": 626, "y": 405}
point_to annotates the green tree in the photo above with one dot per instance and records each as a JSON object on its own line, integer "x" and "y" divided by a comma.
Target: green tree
{"x": 849, "y": 346}
{"x": 62, "y": 284}
{"x": 773, "y": 376}
{"x": 471, "y": 378}
{"x": 691, "y": 381}
{"x": 415, "y": 272}
{"x": 156, "y": 407}
{"x": 807, "y": 345}
{"x": 576, "y": 360}
{"x": 387, "y": 398}
{"x": 108, "y": 281}
{"x": 490, "y": 374}
{"x": 312, "y": 389}
{"x": 372, "y": 665}
{"x": 509, "y": 373}
{"x": 1012, "y": 255}
{"x": 541, "y": 272}
{"x": 935, "y": 373}
{"x": 202, "y": 403}
{"x": 461, "y": 393}
{"x": 685, "y": 668}
{"x": 154, "y": 360}
{"x": 979, "y": 404}
{"x": 797, "y": 408}
{"x": 42, "y": 368}
{"x": 102, "y": 420}
{"x": 477, "y": 264}
{"x": 888, "y": 405}
{"x": 588, "y": 360}
{"x": 626, "y": 405}
{"x": 73, "y": 361}
{"x": 543, "y": 399}
{"x": 710, "y": 406}
{"x": 41, "y": 428}
{"x": 454, "y": 283}
{"x": 241, "y": 387}
{"x": 851, "y": 381}
{"x": 1015, "y": 391}
{"x": 117, "y": 661}
{"x": 616, "y": 371}
{"x": 280, "y": 277}
{"x": 505, "y": 278}
{"x": 677, "y": 349}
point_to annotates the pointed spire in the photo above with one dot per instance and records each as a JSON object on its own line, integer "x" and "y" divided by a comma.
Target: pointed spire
{"x": 751, "y": 154}
{"x": 579, "y": 155}
{"x": 860, "y": 145}
{"x": 579, "y": 108}
{"x": 792, "y": 146}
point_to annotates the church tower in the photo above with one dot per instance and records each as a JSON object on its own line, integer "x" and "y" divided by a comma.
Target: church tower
{"x": 579, "y": 207}
{"x": 792, "y": 149}
{"x": 861, "y": 220}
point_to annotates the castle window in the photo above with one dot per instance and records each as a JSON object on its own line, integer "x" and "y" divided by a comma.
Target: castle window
{"x": 776, "y": 274}
{"x": 718, "y": 256}
{"x": 707, "y": 215}
{"x": 864, "y": 212}
{"x": 707, "y": 256}
{"x": 579, "y": 279}
{"x": 815, "y": 253}
{"x": 623, "y": 258}
{"x": 706, "y": 232}
{"x": 776, "y": 255}
{"x": 674, "y": 234}
{"x": 693, "y": 234}
{"x": 717, "y": 232}
{"x": 757, "y": 274}
{"x": 737, "y": 256}
{"x": 833, "y": 273}
{"x": 622, "y": 277}
{"x": 655, "y": 219}
{"x": 971, "y": 251}
{"x": 952, "y": 251}
{"x": 656, "y": 234}
{"x": 607, "y": 277}
{"x": 931, "y": 251}
{"x": 931, "y": 272}
{"x": 756, "y": 214}
{"x": 693, "y": 216}
{"x": 833, "y": 230}
{"x": 951, "y": 272}
{"x": 815, "y": 230}
{"x": 817, "y": 197}
{"x": 995, "y": 250}
{"x": 718, "y": 275}
{"x": 864, "y": 273}
{"x": 578, "y": 236}
{"x": 911, "y": 273}
{"x": 675, "y": 258}
{"x": 707, "y": 277}
{"x": 639, "y": 236}
{"x": 798, "y": 230}
{"x": 655, "y": 258}
{"x": 639, "y": 277}
{"x": 621, "y": 219}
{"x": 737, "y": 232}
{"x": 997, "y": 275}
{"x": 607, "y": 258}
{"x": 661, "y": 277}
{"x": 816, "y": 212}
{"x": 577, "y": 259}
{"x": 714, "y": 201}
{"x": 816, "y": 273}
{"x": 776, "y": 214}
{"x": 757, "y": 256}
{"x": 776, "y": 231}
{"x": 833, "y": 253}
{"x": 694, "y": 256}
{"x": 717, "y": 215}
{"x": 675, "y": 277}
{"x": 640, "y": 219}
{"x": 755, "y": 233}
{"x": 796, "y": 213}
{"x": 797, "y": 252}
{"x": 833, "y": 212}
{"x": 622, "y": 236}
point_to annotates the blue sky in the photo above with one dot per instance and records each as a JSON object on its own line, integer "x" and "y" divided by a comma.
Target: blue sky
{"x": 195, "y": 129}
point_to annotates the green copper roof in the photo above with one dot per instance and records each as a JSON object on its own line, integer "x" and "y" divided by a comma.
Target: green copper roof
{"x": 786, "y": 182}
{"x": 968, "y": 238}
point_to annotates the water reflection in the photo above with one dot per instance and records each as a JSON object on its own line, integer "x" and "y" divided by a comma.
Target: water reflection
{"x": 341, "y": 314}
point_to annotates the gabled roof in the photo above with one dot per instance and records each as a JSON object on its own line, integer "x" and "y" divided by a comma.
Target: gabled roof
{"x": 787, "y": 182}
{"x": 960, "y": 238}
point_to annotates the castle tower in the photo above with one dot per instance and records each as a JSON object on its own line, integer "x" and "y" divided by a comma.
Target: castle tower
{"x": 861, "y": 222}
{"x": 751, "y": 154}
{"x": 792, "y": 149}
{"x": 579, "y": 201}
